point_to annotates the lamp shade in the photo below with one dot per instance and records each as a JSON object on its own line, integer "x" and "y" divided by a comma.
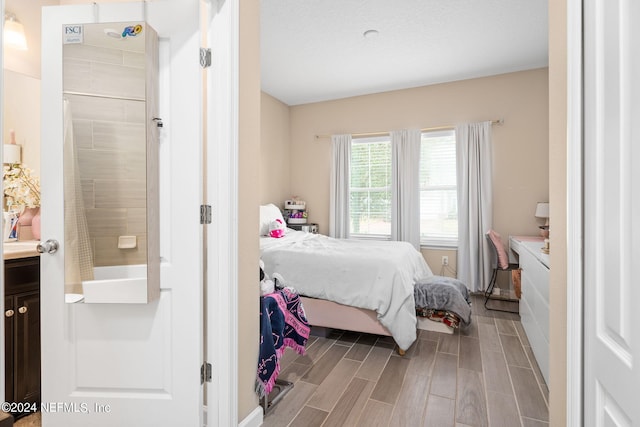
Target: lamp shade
{"x": 13, "y": 34}
{"x": 11, "y": 154}
{"x": 542, "y": 210}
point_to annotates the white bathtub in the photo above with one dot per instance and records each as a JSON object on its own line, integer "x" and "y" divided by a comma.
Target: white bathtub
{"x": 117, "y": 284}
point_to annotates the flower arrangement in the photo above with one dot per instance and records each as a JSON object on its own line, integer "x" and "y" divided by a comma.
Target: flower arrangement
{"x": 21, "y": 187}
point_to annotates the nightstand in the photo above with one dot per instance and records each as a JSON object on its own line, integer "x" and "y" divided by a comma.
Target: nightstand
{"x": 309, "y": 228}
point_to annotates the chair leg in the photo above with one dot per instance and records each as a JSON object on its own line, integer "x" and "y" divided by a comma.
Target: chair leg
{"x": 489, "y": 291}
{"x": 492, "y": 283}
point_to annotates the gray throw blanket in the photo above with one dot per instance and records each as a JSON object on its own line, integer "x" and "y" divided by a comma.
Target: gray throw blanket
{"x": 444, "y": 293}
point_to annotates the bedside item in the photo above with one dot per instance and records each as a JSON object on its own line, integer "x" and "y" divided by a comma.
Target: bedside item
{"x": 294, "y": 204}
{"x": 542, "y": 211}
{"x": 295, "y": 211}
{"x": 307, "y": 228}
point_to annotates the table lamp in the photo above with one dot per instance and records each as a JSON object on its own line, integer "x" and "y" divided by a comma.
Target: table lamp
{"x": 12, "y": 151}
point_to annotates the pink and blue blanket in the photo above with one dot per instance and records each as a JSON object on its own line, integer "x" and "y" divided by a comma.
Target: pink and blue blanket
{"x": 282, "y": 324}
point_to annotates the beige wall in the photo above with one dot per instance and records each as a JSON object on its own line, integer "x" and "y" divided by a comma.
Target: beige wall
{"x": 434, "y": 260}
{"x": 21, "y": 111}
{"x": 275, "y": 148}
{"x": 29, "y": 14}
{"x": 520, "y": 144}
{"x": 249, "y": 198}
{"x": 558, "y": 211}
{"x": 21, "y": 95}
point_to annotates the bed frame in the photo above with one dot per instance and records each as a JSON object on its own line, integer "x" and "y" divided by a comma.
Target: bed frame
{"x": 329, "y": 314}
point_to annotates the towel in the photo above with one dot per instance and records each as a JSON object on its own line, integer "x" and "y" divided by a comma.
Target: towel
{"x": 282, "y": 324}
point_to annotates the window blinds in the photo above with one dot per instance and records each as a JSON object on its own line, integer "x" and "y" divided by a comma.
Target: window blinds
{"x": 370, "y": 187}
{"x": 438, "y": 190}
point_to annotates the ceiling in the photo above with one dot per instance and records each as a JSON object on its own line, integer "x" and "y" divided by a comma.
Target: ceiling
{"x": 315, "y": 50}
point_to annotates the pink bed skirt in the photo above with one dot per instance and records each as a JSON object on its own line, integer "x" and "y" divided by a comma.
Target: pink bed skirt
{"x": 329, "y": 314}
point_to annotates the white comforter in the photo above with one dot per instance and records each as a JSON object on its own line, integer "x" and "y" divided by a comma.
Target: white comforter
{"x": 366, "y": 274}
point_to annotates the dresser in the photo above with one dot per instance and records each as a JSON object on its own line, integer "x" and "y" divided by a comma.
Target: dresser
{"x": 534, "y": 302}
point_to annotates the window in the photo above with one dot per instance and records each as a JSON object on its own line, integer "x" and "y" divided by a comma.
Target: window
{"x": 370, "y": 187}
{"x": 438, "y": 189}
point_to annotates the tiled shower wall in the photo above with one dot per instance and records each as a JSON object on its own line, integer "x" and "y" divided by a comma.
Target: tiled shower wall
{"x": 110, "y": 138}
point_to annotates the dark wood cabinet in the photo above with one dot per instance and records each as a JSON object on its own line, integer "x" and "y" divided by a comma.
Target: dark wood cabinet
{"x": 22, "y": 330}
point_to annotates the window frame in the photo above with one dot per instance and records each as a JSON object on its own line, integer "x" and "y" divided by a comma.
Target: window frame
{"x": 434, "y": 242}
{"x": 370, "y": 140}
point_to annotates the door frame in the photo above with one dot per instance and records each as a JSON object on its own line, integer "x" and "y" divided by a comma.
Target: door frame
{"x": 2, "y": 349}
{"x": 575, "y": 309}
{"x": 222, "y": 193}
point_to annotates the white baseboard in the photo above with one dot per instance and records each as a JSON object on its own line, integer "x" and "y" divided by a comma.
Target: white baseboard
{"x": 254, "y": 419}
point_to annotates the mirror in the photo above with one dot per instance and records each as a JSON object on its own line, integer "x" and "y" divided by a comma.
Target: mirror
{"x": 111, "y": 130}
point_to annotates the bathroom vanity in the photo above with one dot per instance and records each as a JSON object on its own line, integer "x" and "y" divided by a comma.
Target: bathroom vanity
{"x": 22, "y": 323}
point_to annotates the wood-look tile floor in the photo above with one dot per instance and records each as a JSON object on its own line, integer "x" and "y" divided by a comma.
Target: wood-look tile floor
{"x": 483, "y": 376}
{"x": 33, "y": 420}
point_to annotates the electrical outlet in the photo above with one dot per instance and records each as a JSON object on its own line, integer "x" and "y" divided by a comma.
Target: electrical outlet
{"x": 445, "y": 260}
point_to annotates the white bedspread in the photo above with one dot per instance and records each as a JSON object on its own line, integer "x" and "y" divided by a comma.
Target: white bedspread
{"x": 367, "y": 274}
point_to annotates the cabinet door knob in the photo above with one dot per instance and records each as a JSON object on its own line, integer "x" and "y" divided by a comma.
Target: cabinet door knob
{"x": 23, "y": 309}
{"x": 9, "y": 313}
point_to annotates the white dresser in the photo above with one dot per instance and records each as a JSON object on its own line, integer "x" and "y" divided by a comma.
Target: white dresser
{"x": 534, "y": 302}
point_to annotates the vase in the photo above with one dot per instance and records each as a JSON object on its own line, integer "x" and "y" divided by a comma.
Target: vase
{"x": 35, "y": 225}
{"x": 26, "y": 217}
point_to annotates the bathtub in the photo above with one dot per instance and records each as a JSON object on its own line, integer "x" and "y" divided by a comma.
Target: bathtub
{"x": 117, "y": 284}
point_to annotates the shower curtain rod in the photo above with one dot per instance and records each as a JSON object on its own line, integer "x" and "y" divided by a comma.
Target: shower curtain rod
{"x": 431, "y": 129}
{"x": 95, "y": 95}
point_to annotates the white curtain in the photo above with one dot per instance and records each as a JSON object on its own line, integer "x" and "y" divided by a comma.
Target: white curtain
{"x": 339, "y": 193}
{"x": 474, "y": 172}
{"x": 78, "y": 259}
{"x": 405, "y": 173}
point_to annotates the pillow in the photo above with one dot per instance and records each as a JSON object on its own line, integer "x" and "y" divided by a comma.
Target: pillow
{"x": 503, "y": 258}
{"x": 268, "y": 214}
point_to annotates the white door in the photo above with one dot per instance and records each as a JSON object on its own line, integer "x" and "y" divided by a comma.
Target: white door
{"x": 133, "y": 364}
{"x": 611, "y": 212}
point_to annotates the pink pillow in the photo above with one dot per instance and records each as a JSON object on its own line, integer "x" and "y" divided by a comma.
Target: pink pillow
{"x": 503, "y": 258}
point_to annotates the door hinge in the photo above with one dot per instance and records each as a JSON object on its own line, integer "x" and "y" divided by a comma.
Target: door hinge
{"x": 205, "y": 57}
{"x": 205, "y": 214}
{"x": 205, "y": 373}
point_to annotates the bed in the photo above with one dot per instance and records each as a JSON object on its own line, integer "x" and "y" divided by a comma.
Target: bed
{"x": 364, "y": 286}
